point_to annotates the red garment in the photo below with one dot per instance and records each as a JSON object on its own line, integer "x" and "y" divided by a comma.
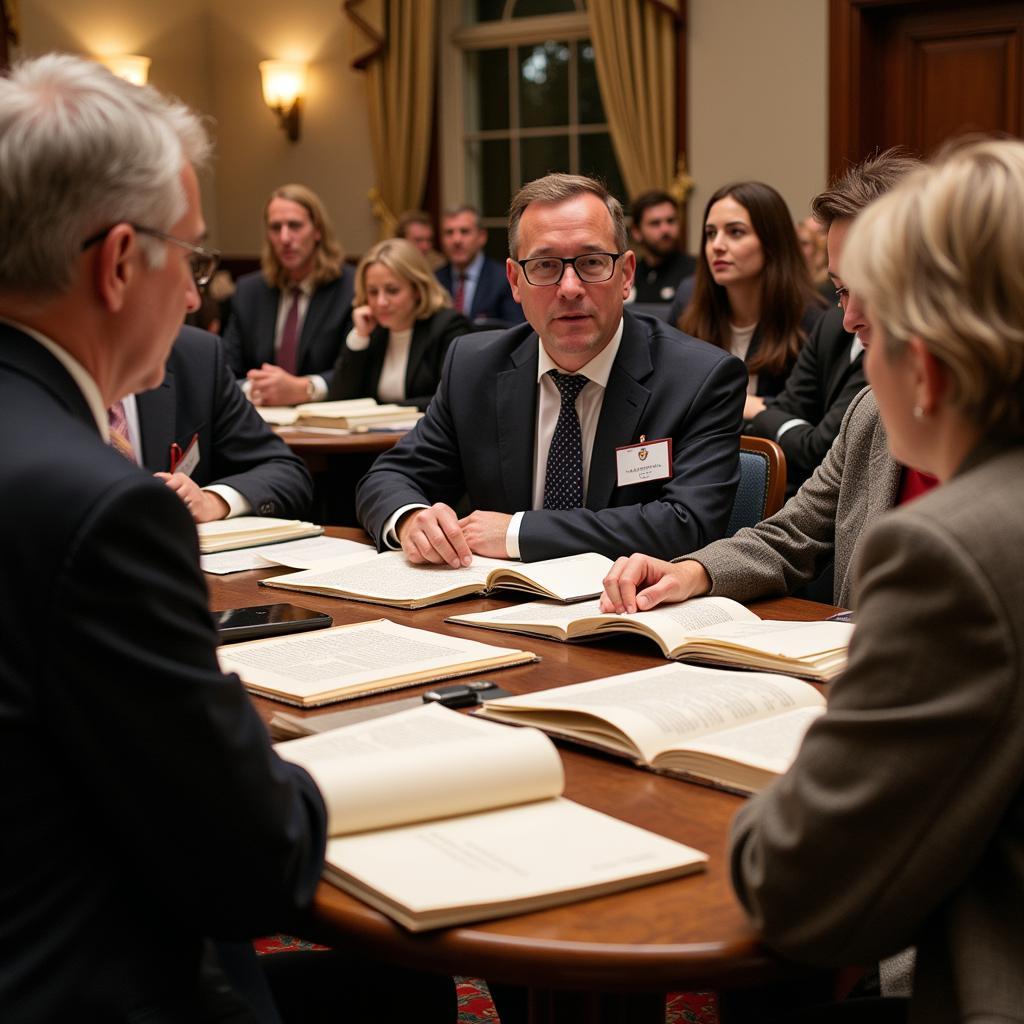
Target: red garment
{"x": 914, "y": 483}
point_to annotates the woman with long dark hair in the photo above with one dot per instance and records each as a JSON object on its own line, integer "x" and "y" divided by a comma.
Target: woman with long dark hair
{"x": 752, "y": 294}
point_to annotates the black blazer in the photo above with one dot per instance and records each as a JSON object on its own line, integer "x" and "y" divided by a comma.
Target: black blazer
{"x": 150, "y": 811}
{"x": 492, "y": 299}
{"x": 249, "y": 334}
{"x": 819, "y": 389}
{"x": 357, "y": 374}
{"x": 770, "y": 384}
{"x": 200, "y": 398}
{"x": 477, "y": 439}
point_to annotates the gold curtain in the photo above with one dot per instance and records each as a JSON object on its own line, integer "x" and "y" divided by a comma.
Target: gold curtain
{"x": 393, "y": 42}
{"x": 635, "y": 50}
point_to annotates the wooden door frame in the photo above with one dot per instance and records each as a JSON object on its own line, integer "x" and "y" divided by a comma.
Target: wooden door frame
{"x": 849, "y": 28}
{"x": 846, "y": 30}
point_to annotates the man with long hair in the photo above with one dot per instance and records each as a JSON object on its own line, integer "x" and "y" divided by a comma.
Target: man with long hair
{"x": 289, "y": 319}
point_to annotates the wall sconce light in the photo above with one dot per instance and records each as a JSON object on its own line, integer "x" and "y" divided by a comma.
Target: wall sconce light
{"x": 284, "y": 82}
{"x": 129, "y": 66}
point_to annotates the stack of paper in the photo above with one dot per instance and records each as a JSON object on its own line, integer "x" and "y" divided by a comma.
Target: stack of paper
{"x": 349, "y": 414}
{"x": 248, "y": 531}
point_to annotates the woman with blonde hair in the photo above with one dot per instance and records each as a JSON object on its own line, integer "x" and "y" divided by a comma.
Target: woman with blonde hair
{"x": 906, "y": 800}
{"x": 403, "y": 325}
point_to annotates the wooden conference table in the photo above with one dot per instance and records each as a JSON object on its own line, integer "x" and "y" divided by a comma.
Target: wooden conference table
{"x": 606, "y": 959}
{"x": 315, "y": 448}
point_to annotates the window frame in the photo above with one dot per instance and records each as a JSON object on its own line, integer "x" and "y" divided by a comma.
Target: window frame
{"x": 455, "y": 91}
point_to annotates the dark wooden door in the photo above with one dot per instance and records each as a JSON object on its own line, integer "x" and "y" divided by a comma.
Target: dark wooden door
{"x": 917, "y": 72}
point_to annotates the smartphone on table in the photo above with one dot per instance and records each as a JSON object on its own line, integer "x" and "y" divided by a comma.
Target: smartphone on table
{"x": 263, "y": 620}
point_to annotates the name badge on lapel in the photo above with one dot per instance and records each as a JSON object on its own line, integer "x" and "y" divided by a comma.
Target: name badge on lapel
{"x": 644, "y": 462}
{"x": 185, "y": 462}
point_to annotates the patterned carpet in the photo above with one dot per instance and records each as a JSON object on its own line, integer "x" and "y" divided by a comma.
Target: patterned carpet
{"x": 475, "y": 1006}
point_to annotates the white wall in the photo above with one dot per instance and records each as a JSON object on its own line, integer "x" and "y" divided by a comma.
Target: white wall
{"x": 333, "y": 155}
{"x": 758, "y": 99}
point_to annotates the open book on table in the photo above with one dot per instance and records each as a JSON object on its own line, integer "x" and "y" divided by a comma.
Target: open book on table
{"x": 310, "y": 669}
{"x": 438, "y": 819}
{"x": 388, "y": 578}
{"x": 249, "y": 531}
{"x": 733, "y": 730}
{"x": 715, "y": 630}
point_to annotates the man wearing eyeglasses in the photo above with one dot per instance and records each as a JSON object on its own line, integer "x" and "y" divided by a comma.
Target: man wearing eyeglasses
{"x": 586, "y": 429}
{"x": 150, "y": 814}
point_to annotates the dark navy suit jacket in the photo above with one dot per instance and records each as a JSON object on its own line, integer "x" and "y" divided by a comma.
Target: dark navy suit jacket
{"x": 145, "y": 810}
{"x": 477, "y": 439}
{"x": 200, "y": 398}
{"x": 249, "y": 334}
{"x": 492, "y": 299}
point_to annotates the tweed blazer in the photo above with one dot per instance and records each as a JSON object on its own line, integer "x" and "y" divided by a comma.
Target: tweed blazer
{"x": 824, "y": 520}
{"x": 902, "y": 820}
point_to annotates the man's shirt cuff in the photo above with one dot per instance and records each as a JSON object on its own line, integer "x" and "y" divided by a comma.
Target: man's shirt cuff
{"x": 512, "y": 536}
{"x": 389, "y": 533}
{"x": 238, "y": 504}
{"x": 788, "y": 425}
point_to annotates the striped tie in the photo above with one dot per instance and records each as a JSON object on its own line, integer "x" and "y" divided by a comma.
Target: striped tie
{"x": 119, "y": 437}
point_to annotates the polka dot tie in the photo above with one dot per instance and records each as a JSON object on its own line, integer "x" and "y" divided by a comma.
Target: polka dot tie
{"x": 563, "y": 482}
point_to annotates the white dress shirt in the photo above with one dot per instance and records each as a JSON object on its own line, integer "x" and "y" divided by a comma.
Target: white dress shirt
{"x": 391, "y": 386}
{"x": 549, "y": 403}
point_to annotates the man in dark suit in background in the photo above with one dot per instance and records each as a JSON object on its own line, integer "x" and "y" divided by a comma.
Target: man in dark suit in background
{"x": 197, "y": 432}
{"x": 478, "y": 286}
{"x": 527, "y": 422}
{"x": 662, "y": 264}
{"x": 804, "y": 418}
{"x": 289, "y": 319}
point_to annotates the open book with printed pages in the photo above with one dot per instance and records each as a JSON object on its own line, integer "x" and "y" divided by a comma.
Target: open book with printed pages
{"x": 310, "y": 669}
{"x": 248, "y": 531}
{"x": 733, "y": 730}
{"x": 714, "y": 630}
{"x": 388, "y": 578}
{"x": 437, "y": 819}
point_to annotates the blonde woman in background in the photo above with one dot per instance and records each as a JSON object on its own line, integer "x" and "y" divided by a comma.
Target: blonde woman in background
{"x": 403, "y": 325}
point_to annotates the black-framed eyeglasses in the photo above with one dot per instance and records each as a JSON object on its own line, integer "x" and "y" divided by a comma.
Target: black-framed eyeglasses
{"x": 589, "y": 267}
{"x": 202, "y": 261}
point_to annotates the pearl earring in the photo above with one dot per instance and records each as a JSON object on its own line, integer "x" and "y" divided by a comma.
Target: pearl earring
{"x": 918, "y": 413}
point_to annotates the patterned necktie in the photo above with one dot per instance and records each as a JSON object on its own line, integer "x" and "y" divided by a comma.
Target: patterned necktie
{"x": 459, "y": 298}
{"x": 563, "y": 482}
{"x": 289, "y": 350}
{"x": 119, "y": 437}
